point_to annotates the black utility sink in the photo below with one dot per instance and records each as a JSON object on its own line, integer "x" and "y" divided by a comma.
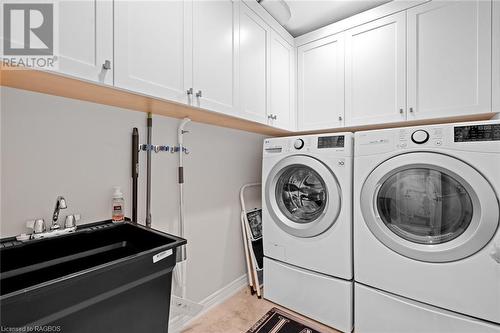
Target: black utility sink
{"x": 104, "y": 277}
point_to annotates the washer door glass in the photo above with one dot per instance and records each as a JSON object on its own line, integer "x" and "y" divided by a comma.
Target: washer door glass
{"x": 424, "y": 206}
{"x": 301, "y": 194}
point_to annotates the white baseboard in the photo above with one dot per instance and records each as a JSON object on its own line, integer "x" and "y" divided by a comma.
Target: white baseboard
{"x": 176, "y": 324}
{"x": 224, "y": 293}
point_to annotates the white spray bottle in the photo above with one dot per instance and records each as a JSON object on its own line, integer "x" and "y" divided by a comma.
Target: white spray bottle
{"x": 118, "y": 208}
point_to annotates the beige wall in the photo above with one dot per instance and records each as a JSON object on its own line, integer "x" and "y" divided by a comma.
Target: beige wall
{"x": 55, "y": 146}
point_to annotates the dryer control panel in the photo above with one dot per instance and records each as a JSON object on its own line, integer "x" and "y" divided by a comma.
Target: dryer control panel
{"x": 481, "y": 136}
{"x": 415, "y": 137}
{"x": 477, "y": 133}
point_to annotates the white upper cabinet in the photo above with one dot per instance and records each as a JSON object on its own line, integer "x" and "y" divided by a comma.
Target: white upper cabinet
{"x": 282, "y": 95}
{"x": 321, "y": 83}
{"x": 419, "y": 60}
{"x": 254, "y": 40}
{"x": 496, "y": 57}
{"x": 215, "y": 55}
{"x": 375, "y": 72}
{"x": 86, "y": 39}
{"x": 449, "y": 59}
{"x": 153, "y": 47}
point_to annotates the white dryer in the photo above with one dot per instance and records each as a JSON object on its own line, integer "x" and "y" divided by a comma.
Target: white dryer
{"x": 307, "y": 226}
{"x": 426, "y": 239}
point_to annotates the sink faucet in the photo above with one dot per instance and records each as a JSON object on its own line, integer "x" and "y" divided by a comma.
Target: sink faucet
{"x": 60, "y": 204}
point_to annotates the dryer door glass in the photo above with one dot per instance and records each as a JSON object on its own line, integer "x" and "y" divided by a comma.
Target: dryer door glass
{"x": 301, "y": 194}
{"x": 429, "y": 206}
{"x": 424, "y": 206}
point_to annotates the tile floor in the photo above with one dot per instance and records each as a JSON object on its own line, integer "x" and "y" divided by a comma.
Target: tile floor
{"x": 238, "y": 314}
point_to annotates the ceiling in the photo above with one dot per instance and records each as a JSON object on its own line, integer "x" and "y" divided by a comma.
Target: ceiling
{"x": 309, "y": 15}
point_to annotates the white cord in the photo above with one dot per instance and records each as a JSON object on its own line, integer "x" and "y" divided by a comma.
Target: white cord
{"x": 180, "y": 272}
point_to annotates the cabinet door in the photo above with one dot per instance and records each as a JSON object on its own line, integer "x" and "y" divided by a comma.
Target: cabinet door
{"x": 215, "y": 54}
{"x": 282, "y": 94}
{"x": 321, "y": 84}
{"x": 86, "y": 39}
{"x": 376, "y": 72}
{"x": 496, "y": 57}
{"x": 449, "y": 58}
{"x": 254, "y": 58}
{"x": 153, "y": 47}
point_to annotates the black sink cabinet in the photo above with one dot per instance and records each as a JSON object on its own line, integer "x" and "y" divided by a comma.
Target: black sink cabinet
{"x": 104, "y": 277}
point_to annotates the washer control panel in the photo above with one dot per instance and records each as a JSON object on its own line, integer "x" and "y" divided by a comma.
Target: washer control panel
{"x": 332, "y": 141}
{"x": 340, "y": 143}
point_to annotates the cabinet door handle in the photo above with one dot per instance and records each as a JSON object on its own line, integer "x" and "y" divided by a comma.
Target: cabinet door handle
{"x": 411, "y": 110}
{"x": 340, "y": 118}
{"x": 272, "y": 116}
{"x": 401, "y": 111}
{"x": 198, "y": 94}
{"x": 189, "y": 91}
{"x": 106, "y": 65}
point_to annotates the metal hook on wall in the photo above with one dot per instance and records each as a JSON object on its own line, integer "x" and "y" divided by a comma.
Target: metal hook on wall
{"x": 160, "y": 148}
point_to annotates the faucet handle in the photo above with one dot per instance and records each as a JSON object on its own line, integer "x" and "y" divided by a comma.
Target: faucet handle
{"x": 38, "y": 225}
{"x": 71, "y": 220}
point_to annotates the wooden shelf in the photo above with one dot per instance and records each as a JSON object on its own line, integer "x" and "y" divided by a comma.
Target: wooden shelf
{"x": 58, "y": 85}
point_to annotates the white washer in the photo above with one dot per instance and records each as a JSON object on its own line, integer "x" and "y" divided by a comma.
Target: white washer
{"x": 307, "y": 226}
{"x": 426, "y": 217}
